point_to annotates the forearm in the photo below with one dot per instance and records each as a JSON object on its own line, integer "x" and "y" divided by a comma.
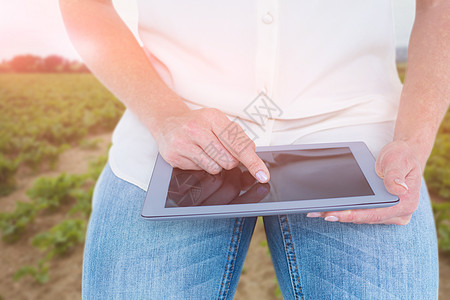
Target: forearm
{"x": 112, "y": 53}
{"x": 426, "y": 92}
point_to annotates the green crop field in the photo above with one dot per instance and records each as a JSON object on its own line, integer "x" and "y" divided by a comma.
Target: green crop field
{"x": 42, "y": 115}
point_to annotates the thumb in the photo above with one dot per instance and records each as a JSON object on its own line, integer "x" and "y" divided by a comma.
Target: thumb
{"x": 395, "y": 181}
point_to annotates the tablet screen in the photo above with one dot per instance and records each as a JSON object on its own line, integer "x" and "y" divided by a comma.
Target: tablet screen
{"x": 295, "y": 175}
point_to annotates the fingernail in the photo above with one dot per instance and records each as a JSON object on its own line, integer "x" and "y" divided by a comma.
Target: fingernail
{"x": 401, "y": 182}
{"x": 313, "y": 215}
{"x": 261, "y": 176}
{"x": 331, "y": 219}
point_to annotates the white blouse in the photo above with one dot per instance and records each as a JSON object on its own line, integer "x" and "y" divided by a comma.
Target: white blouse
{"x": 288, "y": 71}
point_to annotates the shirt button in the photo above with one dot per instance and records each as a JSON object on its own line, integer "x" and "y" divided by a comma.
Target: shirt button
{"x": 267, "y": 18}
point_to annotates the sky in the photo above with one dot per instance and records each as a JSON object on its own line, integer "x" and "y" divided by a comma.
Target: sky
{"x": 36, "y": 27}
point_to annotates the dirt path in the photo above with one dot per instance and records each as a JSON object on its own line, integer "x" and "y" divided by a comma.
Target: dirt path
{"x": 444, "y": 276}
{"x": 257, "y": 281}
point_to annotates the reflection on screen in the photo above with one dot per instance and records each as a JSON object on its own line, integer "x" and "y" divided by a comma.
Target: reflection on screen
{"x": 295, "y": 175}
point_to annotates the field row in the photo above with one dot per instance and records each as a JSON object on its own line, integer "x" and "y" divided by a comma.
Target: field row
{"x": 44, "y": 114}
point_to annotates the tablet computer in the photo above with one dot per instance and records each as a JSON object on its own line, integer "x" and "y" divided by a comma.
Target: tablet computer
{"x": 303, "y": 178}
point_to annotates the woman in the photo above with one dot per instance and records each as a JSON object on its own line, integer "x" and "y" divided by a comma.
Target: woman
{"x": 326, "y": 73}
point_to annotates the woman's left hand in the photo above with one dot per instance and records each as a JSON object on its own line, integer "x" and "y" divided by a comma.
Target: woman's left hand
{"x": 401, "y": 171}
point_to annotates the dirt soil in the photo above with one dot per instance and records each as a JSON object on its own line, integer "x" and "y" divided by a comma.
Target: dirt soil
{"x": 257, "y": 280}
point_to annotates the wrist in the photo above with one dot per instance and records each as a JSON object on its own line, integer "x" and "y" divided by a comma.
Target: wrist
{"x": 162, "y": 119}
{"x": 420, "y": 147}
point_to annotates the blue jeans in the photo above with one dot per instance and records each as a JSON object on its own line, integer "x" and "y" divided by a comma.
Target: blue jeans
{"x": 127, "y": 257}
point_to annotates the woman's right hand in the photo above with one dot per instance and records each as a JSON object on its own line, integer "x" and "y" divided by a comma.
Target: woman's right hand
{"x": 205, "y": 139}
{"x": 187, "y": 139}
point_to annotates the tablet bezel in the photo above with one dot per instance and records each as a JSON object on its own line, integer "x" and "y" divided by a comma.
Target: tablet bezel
{"x": 155, "y": 208}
